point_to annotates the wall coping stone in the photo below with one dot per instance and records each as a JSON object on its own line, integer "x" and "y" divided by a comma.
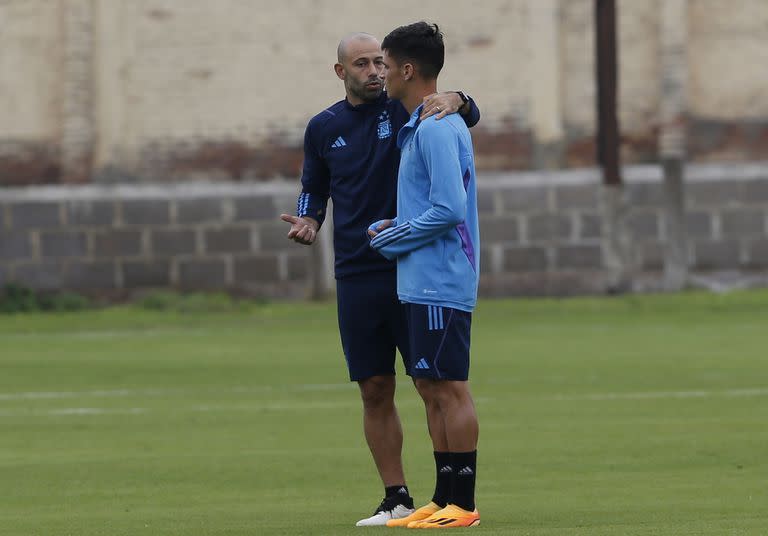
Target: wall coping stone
{"x": 710, "y": 172}
{"x": 646, "y": 173}
{"x": 131, "y": 192}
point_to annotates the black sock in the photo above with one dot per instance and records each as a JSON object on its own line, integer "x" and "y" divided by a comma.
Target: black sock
{"x": 464, "y": 469}
{"x": 401, "y": 492}
{"x": 443, "y": 474}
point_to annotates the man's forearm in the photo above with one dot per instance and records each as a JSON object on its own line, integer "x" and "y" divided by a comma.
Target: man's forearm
{"x": 469, "y": 112}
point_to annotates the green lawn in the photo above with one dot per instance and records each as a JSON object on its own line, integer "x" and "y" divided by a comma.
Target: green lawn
{"x": 637, "y": 415}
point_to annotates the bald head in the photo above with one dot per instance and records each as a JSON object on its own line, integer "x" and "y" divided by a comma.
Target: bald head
{"x": 352, "y": 41}
{"x": 361, "y": 67}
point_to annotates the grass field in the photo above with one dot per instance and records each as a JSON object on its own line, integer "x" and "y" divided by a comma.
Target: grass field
{"x": 637, "y": 415}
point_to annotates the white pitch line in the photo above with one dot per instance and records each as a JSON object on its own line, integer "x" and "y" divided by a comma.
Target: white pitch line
{"x": 118, "y": 393}
{"x": 316, "y": 405}
{"x": 113, "y": 393}
{"x": 728, "y": 393}
{"x": 206, "y": 408}
{"x": 43, "y": 395}
{"x": 106, "y": 334}
{"x": 63, "y": 412}
{"x": 276, "y": 406}
{"x": 269, "y": 406}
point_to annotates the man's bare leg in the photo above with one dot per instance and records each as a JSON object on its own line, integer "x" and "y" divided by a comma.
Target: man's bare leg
{"x": 435, "y": 420}
{"x": 436, "y": 423}
{"x": 385, "y": 440}
{"x": 459, "y": 416}
{"x": 383, "y": 431}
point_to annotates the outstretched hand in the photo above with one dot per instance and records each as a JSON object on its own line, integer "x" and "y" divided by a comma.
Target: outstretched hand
{"x": 303, "y": 230}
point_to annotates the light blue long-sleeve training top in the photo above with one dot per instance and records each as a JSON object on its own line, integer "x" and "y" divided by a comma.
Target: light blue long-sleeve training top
{"x": 435, "y": 236}
{"x": 351, "y": 155}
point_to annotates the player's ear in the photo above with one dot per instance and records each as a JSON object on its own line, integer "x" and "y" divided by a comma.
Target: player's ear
{"x": 339, "y": 70}
{"x": 407, "y": 71}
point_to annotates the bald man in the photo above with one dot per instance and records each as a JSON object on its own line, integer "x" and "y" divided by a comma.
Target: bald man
{"x": 351, "y": 156}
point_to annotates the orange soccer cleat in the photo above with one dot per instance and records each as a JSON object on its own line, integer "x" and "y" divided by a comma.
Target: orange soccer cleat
{"x": 418, "y": 515}
{"x": 449, "y": 517}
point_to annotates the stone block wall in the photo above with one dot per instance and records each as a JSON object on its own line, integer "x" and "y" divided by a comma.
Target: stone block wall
{"x": 541, "y": 233}
{"x": 117, "y": 239}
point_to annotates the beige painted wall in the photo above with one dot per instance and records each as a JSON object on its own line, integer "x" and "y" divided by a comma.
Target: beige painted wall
{"x": 234, "y": 69}
{"x": 637, "y": 28}
{"x": 728, "y": 55}
{"x": 29, "y": 69}
{"x": 171, "y": 74}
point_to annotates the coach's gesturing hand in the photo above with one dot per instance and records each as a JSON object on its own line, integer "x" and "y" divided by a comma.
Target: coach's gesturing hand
{"x": 303, "y": 229}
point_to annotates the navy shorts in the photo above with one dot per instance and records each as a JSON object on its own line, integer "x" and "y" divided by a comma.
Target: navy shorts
{"x": 372, "y": 324}
{"x": 439, "y": 342}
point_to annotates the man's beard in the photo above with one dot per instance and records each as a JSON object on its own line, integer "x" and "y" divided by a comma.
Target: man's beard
{"x": 362, "y": 93}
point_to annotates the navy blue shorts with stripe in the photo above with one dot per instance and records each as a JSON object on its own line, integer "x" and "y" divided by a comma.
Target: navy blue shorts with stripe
{"x": 439, "y": 341}
{"x": 372, "y": 324}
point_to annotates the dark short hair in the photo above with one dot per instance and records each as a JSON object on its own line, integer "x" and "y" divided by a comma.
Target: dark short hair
{"x": 420, "y": 43}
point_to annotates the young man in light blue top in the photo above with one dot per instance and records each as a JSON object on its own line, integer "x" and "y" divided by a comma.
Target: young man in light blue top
{"x": 435, "y": 240}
